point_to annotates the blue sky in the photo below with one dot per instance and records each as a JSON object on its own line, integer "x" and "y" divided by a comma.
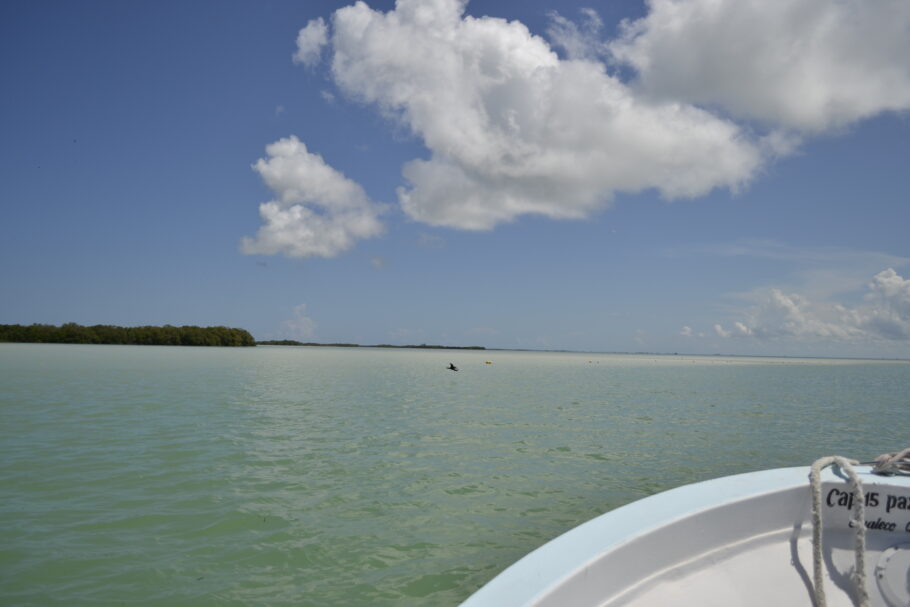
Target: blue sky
{"x": 683, "y": 176}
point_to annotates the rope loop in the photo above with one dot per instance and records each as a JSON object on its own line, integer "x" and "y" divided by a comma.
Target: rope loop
{"x": 858, "y": 521}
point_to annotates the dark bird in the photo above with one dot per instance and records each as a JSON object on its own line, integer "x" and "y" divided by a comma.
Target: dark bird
{"x": 452, "y": 367}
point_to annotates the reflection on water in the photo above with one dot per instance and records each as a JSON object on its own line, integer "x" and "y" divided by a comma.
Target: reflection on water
{"x": 315, "y": 476}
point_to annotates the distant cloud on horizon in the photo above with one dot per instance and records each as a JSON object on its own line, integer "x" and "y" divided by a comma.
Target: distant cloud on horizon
{"x": 884, "y": 315}
{"x": 301, "y": 326}
{"x": 813, "y": 303}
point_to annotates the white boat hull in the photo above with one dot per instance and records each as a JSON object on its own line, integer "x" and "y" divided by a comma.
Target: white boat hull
{"x": 743, "y": 540}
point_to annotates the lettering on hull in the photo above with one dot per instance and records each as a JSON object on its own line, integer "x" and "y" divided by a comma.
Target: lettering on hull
{"x": 887, "y": 508}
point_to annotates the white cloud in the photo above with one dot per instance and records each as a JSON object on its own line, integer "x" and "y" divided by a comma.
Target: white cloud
{"x": 317, "y": 210}
{"x": 578, "y": 41}
{"x": 721, "y": 331}
{"x": 301, "y": 326}
{"x": 512, "y": 129}
{"x": 310, "y": 41}
{"x": 687, "y": 332}
{"x": 889, "y": 306}
{"x": 808, "y": 65}
{"x": 742, "y": 329}
{"x": 884, "y": 315}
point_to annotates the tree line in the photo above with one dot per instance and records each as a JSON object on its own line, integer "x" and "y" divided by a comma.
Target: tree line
{"x": 72, "y": 333}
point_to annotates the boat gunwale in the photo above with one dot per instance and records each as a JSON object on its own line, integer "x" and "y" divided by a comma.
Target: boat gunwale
{"x": 544, "y": 570}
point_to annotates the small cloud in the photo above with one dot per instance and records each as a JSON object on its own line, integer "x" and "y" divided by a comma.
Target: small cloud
{"x": 721, "y": 331}
{"x": 327, "y": 96}
{"x": 741, "y": 329}
{"x": 317, "y": 210}
{"x": 687, "y": 331}
{"x": 889, "y": 304}
{"x": 378, "y": 262}
{"x": 310, "y": 41}
{"x": 301, "y": 326}
{"x": 279, "y": 110}
{"x": 579, "y": 40}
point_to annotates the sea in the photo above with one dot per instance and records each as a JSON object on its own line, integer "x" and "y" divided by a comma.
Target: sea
{"x": 147, "y": 475}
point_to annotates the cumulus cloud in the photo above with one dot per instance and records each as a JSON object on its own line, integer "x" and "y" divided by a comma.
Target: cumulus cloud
{"x": 317, "y": 211}
{"x": 807, "y": 65}
{"x": 310, "y": 42}
{"x": 512, "y": 129}
{"x": 889, "y": 306}
{"x": 884, "y": 315}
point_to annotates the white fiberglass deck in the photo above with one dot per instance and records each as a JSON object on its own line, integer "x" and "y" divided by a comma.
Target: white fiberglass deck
{"x": 735, "y": 541}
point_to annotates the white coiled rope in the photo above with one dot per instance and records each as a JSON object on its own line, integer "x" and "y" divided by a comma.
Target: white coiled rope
{"x": 897, "y": 462}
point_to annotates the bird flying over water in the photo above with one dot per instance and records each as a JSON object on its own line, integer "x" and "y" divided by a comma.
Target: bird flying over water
{"x": 452, "y": 367}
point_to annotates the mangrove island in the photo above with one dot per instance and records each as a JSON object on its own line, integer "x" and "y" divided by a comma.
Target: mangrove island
{"x": 72, "y": 333}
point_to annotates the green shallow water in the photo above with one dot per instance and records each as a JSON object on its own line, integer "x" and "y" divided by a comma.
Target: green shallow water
{"x": 322, "y": 476}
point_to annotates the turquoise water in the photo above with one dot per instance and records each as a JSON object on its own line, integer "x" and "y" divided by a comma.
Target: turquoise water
{"x": 322, "y": 476}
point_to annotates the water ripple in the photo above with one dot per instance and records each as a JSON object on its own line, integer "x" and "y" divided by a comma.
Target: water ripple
{"x": 289, "y": 476}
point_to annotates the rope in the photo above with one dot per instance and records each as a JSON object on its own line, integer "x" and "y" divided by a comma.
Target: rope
{"x": 897, "y": 462}
{"x": 858, "y": 521}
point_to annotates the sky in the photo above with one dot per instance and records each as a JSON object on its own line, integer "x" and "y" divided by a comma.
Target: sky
{"x": 692, "y": 176}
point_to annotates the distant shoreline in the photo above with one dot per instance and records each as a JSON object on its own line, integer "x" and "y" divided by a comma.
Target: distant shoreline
{"x": 592, "y": 353}
{"x": 291, "y": 342}
{"x": 168, "y": 335}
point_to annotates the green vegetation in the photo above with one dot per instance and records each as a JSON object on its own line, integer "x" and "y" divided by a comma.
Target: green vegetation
{"x": 71, "y": 333}
{"x": 291, "y": 342}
